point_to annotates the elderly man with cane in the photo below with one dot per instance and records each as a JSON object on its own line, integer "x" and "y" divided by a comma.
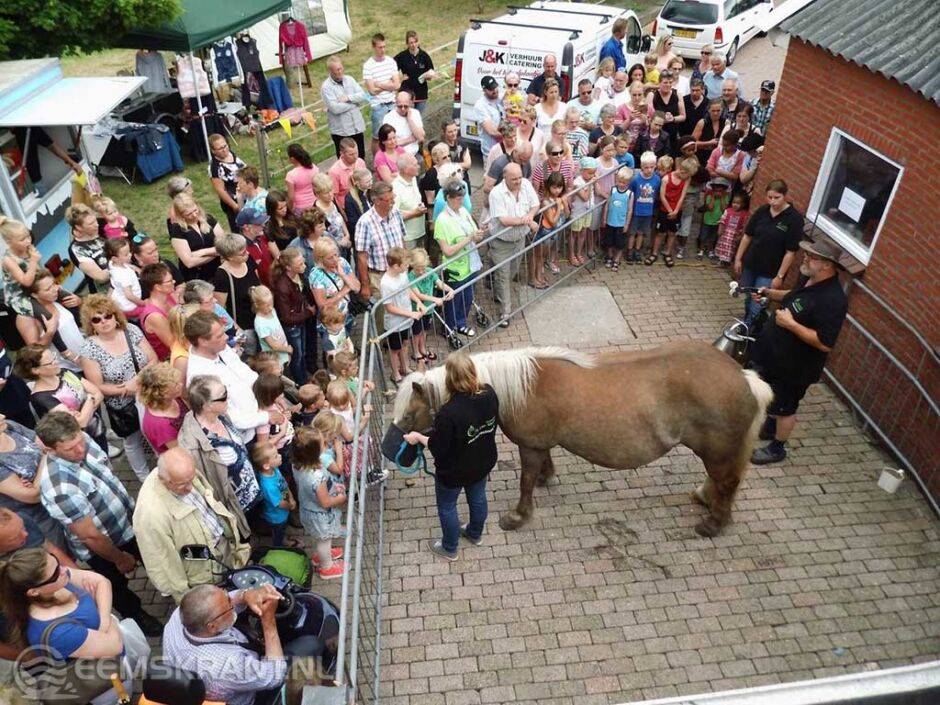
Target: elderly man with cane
{"x": 791, "y": 350}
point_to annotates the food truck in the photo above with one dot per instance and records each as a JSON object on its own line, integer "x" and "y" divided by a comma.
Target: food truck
{"x": 39, "y": 104}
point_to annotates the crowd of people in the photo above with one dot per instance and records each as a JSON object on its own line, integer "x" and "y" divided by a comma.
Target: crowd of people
{"x": 234, "y": 363}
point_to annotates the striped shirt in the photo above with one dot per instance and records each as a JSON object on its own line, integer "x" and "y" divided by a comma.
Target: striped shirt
{"x": 543, "y": 169}
{"x": 761, "y": 116}
{"x": 380, "y": 71}
{"x": 376, "y": 235}
{"x": 71, "y": 492}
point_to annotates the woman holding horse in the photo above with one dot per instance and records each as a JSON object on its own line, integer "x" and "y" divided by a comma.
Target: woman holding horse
{"x": 462, "y": 442}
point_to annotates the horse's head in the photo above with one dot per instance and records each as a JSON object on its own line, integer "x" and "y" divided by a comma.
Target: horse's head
{"x": 414, "y": 414}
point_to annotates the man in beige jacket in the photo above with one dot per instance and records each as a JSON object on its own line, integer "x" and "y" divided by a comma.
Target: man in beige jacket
{"x": 176, "y": 508}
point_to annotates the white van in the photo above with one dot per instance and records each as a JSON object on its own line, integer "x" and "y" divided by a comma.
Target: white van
{"x": 519, "y": 40}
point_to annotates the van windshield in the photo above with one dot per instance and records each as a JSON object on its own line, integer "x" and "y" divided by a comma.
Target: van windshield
{"x": 690, "y": 12}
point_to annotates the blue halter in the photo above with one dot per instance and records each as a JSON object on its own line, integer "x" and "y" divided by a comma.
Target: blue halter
{"x": 420, "y": 463}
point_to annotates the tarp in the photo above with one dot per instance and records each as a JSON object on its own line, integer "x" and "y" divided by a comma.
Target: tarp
{"x": 201, "y": 23}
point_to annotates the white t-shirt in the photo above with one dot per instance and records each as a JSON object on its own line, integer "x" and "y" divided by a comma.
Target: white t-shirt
{"x": 380, "y": 71}
{"x": 123, "y": 278}
{"x": 579, "y": 206}
{"x": 602, "y": 86}
{"x": 388, "y": 286}
{"x": 72, "y": 337}
{"x": 621, "y": 98}
{"x": 545, "y": 120}
{"x": 403, "y": 128}
{"x": 407, "y": 198}
{"x": 590, "y": 112}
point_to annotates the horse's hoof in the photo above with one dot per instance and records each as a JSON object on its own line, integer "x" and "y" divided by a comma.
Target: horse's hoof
{"x": 707, "y": 527}
{"x": 698, "y": 495}
{"x": 511, "y": 521}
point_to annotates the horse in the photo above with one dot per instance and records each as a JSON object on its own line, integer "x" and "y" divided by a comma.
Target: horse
{"x": 619, "y": 410}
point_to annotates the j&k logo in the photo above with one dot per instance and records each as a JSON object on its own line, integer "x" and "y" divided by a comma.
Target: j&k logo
{"x": 490, "y": 56}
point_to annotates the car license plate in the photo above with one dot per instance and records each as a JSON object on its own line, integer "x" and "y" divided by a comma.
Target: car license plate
{"x": 685, "y": 33}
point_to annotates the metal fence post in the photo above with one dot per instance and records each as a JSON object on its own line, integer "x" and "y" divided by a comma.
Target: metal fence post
{"x": 261, "y": 139}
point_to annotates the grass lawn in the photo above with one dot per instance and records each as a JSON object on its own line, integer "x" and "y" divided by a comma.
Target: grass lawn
{"x": 146, "y": 204}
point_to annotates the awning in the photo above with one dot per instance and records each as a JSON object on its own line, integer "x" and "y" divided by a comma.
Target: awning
{"x": 201, "y": 23}
{"x": 34, "y": 93}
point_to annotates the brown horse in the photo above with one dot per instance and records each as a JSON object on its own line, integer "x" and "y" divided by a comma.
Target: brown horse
{"x": 618, "y": 410}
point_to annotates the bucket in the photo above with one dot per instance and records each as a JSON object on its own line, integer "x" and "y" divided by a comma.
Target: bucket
{"x": 391, "y": 445}
{"x": 733, "y": 341}
{"x": 890, "y": 479}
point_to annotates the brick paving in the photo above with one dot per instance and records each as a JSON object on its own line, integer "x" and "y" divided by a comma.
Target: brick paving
{"x": 608, "y": 595}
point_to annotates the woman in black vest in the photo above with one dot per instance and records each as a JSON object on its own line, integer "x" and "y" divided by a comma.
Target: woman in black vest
{"x": 667, "y": 100}
{"x": 463, "y": 443}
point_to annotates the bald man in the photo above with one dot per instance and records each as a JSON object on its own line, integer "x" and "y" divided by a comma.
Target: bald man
{"x": 549, "y": 70}
{"x": 513, "y": 204}
{"x": 407, "y": 121}
{"x": 175, "y": 508}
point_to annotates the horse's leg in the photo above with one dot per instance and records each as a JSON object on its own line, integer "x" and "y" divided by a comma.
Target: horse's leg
{"x": 703, "y": 493}
{"x": 547, "y": 471}
{"x": 720, "y": 487}
{"x": 532, "y": 463}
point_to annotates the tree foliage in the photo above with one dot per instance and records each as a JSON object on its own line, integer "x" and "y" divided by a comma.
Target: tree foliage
{"x": 32, "y": 29}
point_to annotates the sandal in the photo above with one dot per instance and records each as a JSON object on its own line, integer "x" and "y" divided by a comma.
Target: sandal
{"x": 430, "y": 356}
{"x": 615, "y": 266}
{"x": 649, "y": 260}
{"x": 419, "y": 358}
{"x": 669, "y": 261}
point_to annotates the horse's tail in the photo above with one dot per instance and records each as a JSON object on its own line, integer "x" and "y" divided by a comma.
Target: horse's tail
{"x": 763, "y": 395}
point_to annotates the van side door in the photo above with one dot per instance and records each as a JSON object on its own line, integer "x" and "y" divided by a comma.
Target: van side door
{"x": 633, "y": 42}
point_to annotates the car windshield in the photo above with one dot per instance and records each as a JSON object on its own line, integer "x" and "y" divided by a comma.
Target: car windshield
{"x": 690, "y": 12}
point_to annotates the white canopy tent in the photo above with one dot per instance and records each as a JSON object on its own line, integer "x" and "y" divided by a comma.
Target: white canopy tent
{"x": 327, "y": 23}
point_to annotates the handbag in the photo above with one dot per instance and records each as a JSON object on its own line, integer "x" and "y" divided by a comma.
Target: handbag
{"x": 125, "y": 420}
{"x": 74, "y": 681}
{"x": 357, "y": 303}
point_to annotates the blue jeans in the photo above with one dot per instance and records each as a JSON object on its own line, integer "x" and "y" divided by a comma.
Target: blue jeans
{"x": 297, "y": 339}
{"x": 751, "y": 307}
{"x": 379, "y": 111}
{"x": 447, "y": 512}
{"x": 456, "y": 310}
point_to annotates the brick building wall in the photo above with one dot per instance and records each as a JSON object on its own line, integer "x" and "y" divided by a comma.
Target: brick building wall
{"x": 819, "y": 91}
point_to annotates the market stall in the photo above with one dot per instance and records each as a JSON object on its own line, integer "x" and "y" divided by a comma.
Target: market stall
{"x": 42, "y": 115}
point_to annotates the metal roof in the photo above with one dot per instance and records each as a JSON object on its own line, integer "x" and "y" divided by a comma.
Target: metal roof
{"x": 896, "y": 39}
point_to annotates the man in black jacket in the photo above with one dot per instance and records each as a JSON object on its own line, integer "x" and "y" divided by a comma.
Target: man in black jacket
{"x": 463, "y": 444}
{"x": 791, "y": 351}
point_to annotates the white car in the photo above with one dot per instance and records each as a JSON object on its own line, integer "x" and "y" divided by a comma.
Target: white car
{"x": 725, "y": 24}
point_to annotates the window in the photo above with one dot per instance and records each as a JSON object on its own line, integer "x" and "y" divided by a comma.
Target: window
{"x": 633, "y": 36}
{"x": 853, "y": 194}
{"x": 732, "y": 8}
{"x": 688, "y": 12}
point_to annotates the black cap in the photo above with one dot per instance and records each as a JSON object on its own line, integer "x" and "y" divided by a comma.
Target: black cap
{"x": 768, "y": 86}
{"x": 488, "y": 82}
{"x": 250, "y": 216}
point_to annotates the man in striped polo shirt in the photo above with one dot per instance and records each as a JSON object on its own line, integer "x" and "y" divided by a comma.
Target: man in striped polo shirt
{"x": 380, "y": 74}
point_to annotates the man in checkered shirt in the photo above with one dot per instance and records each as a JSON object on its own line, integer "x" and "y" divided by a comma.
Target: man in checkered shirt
{"x": 379, "y": 229}
{"x": 80, "y": 491}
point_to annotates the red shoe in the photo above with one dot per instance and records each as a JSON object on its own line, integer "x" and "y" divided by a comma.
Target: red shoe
{"x": 336, "y": 571}
{"x": 335, "y": 553}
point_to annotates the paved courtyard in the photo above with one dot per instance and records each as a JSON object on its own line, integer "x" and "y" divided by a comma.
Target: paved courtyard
{"x": 608, "y": 595}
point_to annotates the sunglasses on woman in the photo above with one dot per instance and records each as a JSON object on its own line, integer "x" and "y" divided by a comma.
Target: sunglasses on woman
{"x": 555, "y": 153}
{"x": 512, "y": 85}
{"x": 223, "y": 397}
{"x": 56, "y": 574}
{"x": 103, "y": 317}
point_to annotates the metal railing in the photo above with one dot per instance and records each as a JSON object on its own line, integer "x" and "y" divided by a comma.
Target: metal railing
{"x": 361, "y": 600}
{"x": 893, "y": 397}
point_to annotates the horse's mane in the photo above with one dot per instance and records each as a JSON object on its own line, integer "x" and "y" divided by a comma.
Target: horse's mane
{"x": 509, "y": 372}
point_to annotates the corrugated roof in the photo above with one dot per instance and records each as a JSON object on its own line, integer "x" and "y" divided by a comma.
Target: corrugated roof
{"x": 900, "y": 40}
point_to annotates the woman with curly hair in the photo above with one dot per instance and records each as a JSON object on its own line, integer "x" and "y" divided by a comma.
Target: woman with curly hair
{"x": 160, "y": 388}
{"x": 113, "y": 353}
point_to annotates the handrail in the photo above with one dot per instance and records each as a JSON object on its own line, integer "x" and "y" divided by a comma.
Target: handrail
{"x": 476, "y": 246}
{"x": 900, "y": 319}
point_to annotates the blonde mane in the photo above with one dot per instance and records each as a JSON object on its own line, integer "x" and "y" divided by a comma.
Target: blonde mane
{"x": 510, "y": 373}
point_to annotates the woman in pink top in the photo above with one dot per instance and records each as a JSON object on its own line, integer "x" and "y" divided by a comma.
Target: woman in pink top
{"x": 153, "y": 314}
{"x": 299, "y": 180}
{"x": 385, "y": 161}
{"x": 160, "y": 387}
